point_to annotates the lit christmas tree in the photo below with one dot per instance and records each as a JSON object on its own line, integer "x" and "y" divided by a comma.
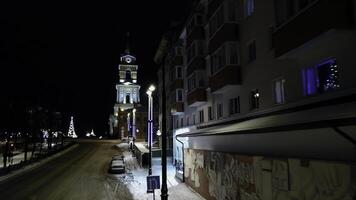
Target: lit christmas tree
{"x": 71, "y": 131}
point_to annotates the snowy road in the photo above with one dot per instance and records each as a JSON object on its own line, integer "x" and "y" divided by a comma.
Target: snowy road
{"x": 78, "y": 174}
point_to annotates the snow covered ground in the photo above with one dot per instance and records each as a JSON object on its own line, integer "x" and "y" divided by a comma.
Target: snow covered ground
{"x": 135, "y": 179}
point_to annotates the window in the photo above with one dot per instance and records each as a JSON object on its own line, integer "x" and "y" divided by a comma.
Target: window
{"x": 279, "y": 94}
{"x": 197, "y": 48}
{"x": 219, "y": 110}
{"x": 249, "y": 7}
{"x": 179, "y": 70}
{"x": 227, "y": 54}
{"x": 252, "y": 51}
{"x": 128, "y": 75}
{"x": 181, "y": 122}
{"x": 210, "y": 113}
{"x": 188, "y": 123}
{"x": 234, "y": 105}
{"x": 179, "y": 95}
{"x": 191, "y": 82}
{"x": 193, "y": 119}
{"x": 216, "y": 21}
{"x": 255, "y": 99}
{"x": 321, "y": 78}
{"x": 201, "y": 116}
{"x": 177, "y": 124}
{"x": 196, "y": 20}
{"x": 232, "y": 10}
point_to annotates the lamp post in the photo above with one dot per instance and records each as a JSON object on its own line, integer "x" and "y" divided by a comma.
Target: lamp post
{"x": 150, "y": 126}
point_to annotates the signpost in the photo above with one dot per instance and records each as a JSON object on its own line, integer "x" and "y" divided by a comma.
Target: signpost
{"x": 152, "y": 184}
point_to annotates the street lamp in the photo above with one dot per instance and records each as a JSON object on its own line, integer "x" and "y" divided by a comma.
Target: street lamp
{"x": 150, "y": 126}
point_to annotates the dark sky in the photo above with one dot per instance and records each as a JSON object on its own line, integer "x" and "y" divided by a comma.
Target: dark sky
{"x": 64, "y": 55}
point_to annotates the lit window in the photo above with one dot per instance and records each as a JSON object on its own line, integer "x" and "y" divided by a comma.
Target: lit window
{"x": 279, "y": 94}
{"x": 321, "y": 78}
{"x": 250, "y": 7}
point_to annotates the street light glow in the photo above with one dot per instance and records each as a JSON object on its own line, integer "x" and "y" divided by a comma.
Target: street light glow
{"x": 152, "y": 88}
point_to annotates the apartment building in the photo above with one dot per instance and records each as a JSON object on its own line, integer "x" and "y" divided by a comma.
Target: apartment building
{"x": 269, "y": 99}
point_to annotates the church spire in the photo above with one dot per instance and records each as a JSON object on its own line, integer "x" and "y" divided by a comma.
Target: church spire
{"x": 127, "y": 50}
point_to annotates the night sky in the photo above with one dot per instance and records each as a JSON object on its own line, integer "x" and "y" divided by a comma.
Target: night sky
{"x": 64, "y": 56}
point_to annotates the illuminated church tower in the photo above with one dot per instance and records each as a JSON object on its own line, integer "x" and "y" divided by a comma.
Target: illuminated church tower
{"x": 128, "y": 91}
{"x": 127, "y": 95}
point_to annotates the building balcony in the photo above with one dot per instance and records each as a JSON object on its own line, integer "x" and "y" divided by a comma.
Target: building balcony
{"x": 312, "y": 22}
{"x": 177, "y": 108}
{"x": 176, "y": 84}
{"x": 197, "y": 63}
{"x": 227, "y": 32}
{"x": 196, "y": 97}
{"x": 228, "y": 76}
{"x": 213, "y": 6}
{"x": 197, "y": 33}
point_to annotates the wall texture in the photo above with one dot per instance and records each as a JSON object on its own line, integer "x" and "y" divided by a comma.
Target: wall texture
{"x": 225, "y": 176}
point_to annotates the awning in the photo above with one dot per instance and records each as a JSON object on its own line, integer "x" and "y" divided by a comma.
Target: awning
{"x": 327, "y": 132}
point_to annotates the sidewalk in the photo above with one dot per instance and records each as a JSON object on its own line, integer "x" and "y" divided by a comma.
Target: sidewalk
{"x": 136, "y": 179}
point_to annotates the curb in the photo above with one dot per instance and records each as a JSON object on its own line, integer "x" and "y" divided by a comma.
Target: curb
{"x": 36, "y": 165}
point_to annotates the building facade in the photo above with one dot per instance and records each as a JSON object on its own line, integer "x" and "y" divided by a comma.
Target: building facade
{"x": 267, "y": 101}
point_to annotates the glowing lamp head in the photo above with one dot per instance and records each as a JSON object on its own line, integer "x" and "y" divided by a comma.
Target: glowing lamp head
{"x": 152, "y": 88}
{"x": 149, "y": 93}
{"x": 159, "y": 133}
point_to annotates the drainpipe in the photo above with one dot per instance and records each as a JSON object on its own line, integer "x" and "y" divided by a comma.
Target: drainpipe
{"x": 183, "y": 157}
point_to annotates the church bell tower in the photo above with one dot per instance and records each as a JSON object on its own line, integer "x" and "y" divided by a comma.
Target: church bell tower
{"x": 127, "y": 94}
{"x": 128, "y": 91}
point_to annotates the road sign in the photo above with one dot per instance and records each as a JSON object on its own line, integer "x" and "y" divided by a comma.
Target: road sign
{"x": 152, "y": 183}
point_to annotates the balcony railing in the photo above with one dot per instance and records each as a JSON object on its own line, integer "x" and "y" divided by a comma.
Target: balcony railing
{"x": 227, "y": 32}
{"x": 196, "y": 97}
{"x": 176, "y": 84}
{"x": 229, "y": 75}
{"x": 177, "y": 108}
{"x": 198, "y": 63}
{"x": 197, "y": 33}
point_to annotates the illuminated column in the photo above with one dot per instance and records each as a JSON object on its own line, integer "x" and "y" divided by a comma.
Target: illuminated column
{"x": 128, "y": 123}
{"x": 134, "y": 123}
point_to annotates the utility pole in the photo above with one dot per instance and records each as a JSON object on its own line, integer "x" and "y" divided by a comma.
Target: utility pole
{"x": 164, "y": 190}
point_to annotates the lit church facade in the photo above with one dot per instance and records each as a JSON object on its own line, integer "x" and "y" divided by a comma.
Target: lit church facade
{"x": 129, "y": 117}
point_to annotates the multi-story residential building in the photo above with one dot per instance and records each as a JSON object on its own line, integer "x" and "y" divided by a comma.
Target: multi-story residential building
{"x": 269, "y": 99}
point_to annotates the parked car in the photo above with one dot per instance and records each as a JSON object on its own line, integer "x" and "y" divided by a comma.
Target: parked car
{"x": 117, "y": 167}
{"x": 118, "y": 157}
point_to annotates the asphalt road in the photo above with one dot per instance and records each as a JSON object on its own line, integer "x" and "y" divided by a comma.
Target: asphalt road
{"x": 78, "y": 174}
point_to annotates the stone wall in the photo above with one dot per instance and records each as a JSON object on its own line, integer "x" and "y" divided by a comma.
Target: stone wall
{"x": 217, "y": 175}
